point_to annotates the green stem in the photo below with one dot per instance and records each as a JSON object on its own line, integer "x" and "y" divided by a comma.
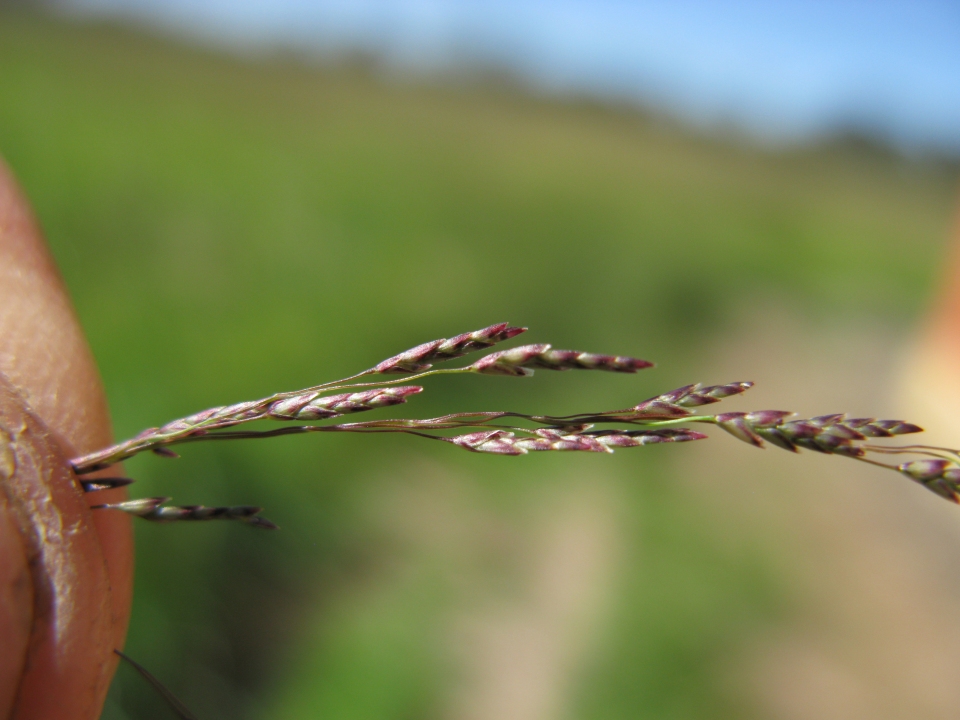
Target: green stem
{"x": 677, "y": 421}
{"x": 338, "y": 385}
{"x": 877, "y": 463}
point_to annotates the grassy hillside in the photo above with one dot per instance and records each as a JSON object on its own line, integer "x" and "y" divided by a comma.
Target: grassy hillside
{"x": 231, "y": 227}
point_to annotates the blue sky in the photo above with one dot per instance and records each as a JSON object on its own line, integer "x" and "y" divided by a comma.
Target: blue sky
{"x": 782, "y": 70}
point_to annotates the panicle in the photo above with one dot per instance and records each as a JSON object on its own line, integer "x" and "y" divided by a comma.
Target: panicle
{"x": 833, "y": 434}
{"x": 422, "y": 356}
{"x": 521, "y": 360}
{"x": 312, "y": 407}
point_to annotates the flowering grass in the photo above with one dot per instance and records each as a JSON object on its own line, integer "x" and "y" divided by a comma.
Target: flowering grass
{"x": 160, "y": 171}
{"x": 660, "y": 419}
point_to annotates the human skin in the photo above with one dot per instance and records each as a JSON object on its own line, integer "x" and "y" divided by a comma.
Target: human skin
{"x": 65, "y": 571}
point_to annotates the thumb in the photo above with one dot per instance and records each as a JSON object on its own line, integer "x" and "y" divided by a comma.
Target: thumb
{"x": 65, "y": 573}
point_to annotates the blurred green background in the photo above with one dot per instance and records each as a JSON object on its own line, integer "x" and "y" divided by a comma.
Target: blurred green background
{"x": 230, "y": 227}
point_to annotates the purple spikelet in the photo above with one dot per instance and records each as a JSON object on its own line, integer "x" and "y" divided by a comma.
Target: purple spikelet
{"x": 467, "y": 343}
{"x": 675, "y": 404}
{"x": 882, "y": 428}
{"x": 939, "y": 476}
{"x": 829, "y": 434}
{"x": 569, "y": 439}
{"x": 521, "y": 360}
{"x": 311, "y": 407}
{"x": 635, "y": 438}
{"x": 509, "y": 362}
{"x": 737, "y": 425}
{"x": 498, "y": 442}
{"x": 421, "y": 357}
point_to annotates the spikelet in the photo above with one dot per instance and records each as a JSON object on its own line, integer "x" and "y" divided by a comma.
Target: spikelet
{"x": 520, "y": 361}
{"x": 676, "y": 403}
{"x": 937, "y": 475}
{"x": 311, "y": 406}
{"x": 503, "y": 442}
{"x": 105, "y": 484}
{"x": 421, "y": 357}
{"x": 154, "y": 509}
{"x": 830, "y": 434}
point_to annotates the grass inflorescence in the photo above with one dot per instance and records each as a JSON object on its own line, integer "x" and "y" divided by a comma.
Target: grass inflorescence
{"x": 660, "y": 419}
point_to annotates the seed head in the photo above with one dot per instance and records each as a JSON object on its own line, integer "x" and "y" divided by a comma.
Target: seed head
{"x": 487, "y": 432}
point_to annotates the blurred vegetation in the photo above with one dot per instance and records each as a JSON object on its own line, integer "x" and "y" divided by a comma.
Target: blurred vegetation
{"x": 232, "y": 226}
